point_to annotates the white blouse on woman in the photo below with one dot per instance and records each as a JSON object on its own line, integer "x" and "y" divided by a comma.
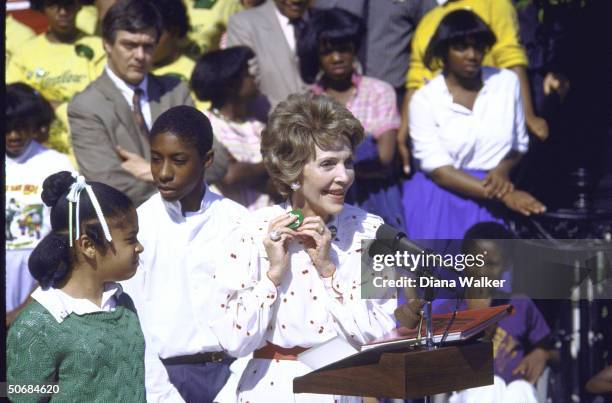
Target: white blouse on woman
{"x": 304, "y": 310}
{"x": 446, "y": 133}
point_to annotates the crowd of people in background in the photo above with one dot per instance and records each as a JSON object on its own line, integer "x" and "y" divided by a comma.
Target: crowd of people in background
{"x": 193, "y": 128}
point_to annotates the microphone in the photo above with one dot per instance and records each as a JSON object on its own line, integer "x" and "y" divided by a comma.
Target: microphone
{"x": 389, "y": 239}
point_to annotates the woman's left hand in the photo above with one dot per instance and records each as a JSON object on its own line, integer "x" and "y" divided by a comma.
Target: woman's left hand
{"x": 497, "y": 184}
{"x": 317, "y": 242}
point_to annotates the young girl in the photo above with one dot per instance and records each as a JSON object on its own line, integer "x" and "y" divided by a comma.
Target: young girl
{"x": 81, "y": 331}
{"x": 28, "y": 116}
{"x": 222, "y": 77}
{"x": 468, "y": 131}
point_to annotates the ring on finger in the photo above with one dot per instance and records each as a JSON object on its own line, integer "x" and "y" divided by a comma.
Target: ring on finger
{"x": 275, "y": 235}
{"x": 321, "y": 230}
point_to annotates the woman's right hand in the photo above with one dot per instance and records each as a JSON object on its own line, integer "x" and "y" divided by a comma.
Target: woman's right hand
{"x": 277, "y": 250}
{"x": 523, "y": 202}
{"x": 497, "y": 184}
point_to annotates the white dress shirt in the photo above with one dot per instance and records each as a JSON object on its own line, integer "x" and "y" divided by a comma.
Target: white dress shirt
{"x": 60, "y": 305}
{"x": 446, "y": 133}
{"x": 288, "y": 29}
{"x": 173, "y": 289}
{"x": 127, "y": 90}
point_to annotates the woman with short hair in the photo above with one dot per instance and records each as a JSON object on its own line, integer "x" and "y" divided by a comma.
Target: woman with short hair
{"x": 468, "y": 132}
{"x": 328, "y": 61}
{"x": 305, "y": 282}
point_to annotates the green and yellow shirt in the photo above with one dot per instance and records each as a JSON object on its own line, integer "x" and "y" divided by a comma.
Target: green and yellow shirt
{"x": 57, "y": 70}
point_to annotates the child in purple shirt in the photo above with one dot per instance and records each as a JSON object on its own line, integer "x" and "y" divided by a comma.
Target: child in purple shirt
{"x": 520, "y": 341}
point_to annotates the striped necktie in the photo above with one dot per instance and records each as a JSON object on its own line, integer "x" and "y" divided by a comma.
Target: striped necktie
{"x": 137, "y": 112}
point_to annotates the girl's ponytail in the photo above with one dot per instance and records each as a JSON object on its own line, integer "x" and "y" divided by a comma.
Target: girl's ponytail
{"x": 49, "y": 262}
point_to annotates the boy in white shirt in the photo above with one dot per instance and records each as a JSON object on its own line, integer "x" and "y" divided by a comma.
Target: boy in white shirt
{"x": 186, "y": 231}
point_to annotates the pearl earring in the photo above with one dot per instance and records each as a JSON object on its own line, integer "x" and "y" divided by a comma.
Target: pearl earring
{"x": 295, "y": 186}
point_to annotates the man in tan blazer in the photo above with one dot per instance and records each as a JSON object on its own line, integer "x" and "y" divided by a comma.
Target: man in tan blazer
{"x": 115, "y": 112}
{"x": 270, "y": 31}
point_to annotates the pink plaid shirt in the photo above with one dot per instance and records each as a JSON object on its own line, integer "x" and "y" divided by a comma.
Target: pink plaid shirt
{"x": 243, "y": 141}
{"x": 373, "y": 103}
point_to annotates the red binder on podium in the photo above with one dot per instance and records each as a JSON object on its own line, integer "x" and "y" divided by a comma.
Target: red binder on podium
{"x": 398, "y": 365}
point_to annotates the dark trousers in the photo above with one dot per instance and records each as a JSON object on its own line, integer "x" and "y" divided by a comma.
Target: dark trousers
{"x": 199, "y": 383}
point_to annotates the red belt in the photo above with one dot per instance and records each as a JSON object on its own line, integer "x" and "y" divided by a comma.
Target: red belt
{"x": 273, "y": 352}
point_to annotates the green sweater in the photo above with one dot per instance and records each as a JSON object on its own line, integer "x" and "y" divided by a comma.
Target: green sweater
{"x": 97, "y": 357}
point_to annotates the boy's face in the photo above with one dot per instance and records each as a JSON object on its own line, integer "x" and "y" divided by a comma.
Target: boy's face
{"x": 16, "y": 141}
{"x": 178, "y": 170}
{"x": 494, "y": 260}
{"x": 61, "y": 15}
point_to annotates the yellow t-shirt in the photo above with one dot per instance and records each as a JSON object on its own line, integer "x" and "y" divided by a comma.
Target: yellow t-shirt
{"x": 59, "y": 134}
{"x": 57, "y": 70}
{"x": 87, "y": 19}
{"x": 16, "y": 34}
{"x": 208, "y": 20}
{"x": 501, "y": 17}
{"x": 181, "y": 68}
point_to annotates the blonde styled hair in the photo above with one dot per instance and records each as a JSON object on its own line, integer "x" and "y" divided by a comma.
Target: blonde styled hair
{"x": 296, "y": 126}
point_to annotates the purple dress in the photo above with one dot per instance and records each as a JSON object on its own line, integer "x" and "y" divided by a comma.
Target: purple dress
{"x": 380, "y": 196}
{"x": 476, "y": 139}
{"x": 432, "y": 212}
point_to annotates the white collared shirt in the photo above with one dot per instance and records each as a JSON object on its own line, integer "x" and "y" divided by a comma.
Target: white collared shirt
{"x": 60, "y": 305}
{"x": 127, "y": 90}
{"x": 446, "y": 133}
{"x": 287, "y": 27}
{"x": 173, "y": 289}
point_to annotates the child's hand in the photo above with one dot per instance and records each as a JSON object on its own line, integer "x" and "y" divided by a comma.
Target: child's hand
{"x": 532, "y": 365}
{"x": 497, "y": 184}
{"x": 409, "y": 314}
{"x": 523, "y": 202}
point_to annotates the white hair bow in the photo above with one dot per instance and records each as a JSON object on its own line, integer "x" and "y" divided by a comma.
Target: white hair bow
{"x": 74, "y": 197}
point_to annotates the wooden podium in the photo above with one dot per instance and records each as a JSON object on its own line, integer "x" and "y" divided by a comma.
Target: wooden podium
{"x": 405, "y": 373}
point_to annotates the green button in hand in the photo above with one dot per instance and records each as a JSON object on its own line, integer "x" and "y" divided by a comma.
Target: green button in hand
{"x": 300, "y": 218}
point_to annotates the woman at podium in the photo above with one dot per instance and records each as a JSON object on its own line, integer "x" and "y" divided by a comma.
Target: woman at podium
{"x": 303, "y": 288}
